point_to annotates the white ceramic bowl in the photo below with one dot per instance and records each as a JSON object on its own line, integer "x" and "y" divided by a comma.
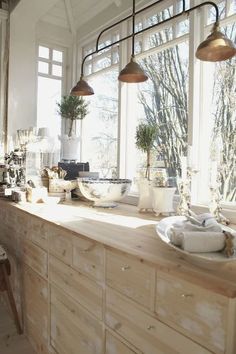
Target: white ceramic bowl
{"x": 104, "y": 192}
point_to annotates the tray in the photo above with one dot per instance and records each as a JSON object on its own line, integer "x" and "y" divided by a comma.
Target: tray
{"x": 163, "y": 228}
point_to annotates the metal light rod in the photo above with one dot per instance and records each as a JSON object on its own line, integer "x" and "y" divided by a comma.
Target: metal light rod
{"x": 97, "y": 50}
{"x": 216, "y": 47}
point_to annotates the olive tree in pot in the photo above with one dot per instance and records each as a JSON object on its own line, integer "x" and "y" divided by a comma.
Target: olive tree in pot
{"x": 145, "y": 138}
{"x": 71, "y": 108}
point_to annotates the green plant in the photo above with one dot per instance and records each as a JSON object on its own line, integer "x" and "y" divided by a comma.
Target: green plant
{"x": 72, "y": 108}
{"x": 145, "y": 137}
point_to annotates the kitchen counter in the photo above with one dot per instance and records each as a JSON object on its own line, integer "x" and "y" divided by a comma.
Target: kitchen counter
{"x": 102, "y": 258}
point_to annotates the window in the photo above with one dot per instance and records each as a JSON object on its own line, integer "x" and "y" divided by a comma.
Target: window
{"x": 50, "y": 82}
{"x": 168, "y": 100}
{"x": 100, "y": 127}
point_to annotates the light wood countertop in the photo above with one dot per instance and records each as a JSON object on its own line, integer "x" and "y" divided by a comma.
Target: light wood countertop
{"x": 126, "y": 230}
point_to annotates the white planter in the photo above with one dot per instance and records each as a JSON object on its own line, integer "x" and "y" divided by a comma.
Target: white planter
{"x": 69, "y": 147}
{"x": 145, "y": 195}
{"x": 162, "y": 201}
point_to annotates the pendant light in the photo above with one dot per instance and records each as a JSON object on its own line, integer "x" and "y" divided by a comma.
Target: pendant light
{"x": 216, "y": 47}
{"x": 132, "y": 73}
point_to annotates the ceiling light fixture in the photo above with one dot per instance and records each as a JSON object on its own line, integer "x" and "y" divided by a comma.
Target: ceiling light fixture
{"x": 216, "y": 47}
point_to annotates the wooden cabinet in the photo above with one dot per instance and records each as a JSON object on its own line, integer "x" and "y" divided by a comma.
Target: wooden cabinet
{"x": 115, "y": 346}
{"x": 144, "y": 331}
{"x": 131, "y": 276}
{"x": 88, "y": 257}
{"x": 73, "y": 329}
{"x": 198, "y": 313}
{"x": 35, "y": 297}
{"x": 87, "y": 292}
{"x": 85, "y": 296}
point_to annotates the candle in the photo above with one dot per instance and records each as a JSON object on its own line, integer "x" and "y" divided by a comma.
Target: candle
{"x": 183, "y": 160}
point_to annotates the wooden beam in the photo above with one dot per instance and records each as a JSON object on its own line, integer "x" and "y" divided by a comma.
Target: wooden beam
{"x": 70, "y": 16}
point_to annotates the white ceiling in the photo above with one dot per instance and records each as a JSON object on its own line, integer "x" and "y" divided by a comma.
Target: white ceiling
{"x": 72, "y": 14}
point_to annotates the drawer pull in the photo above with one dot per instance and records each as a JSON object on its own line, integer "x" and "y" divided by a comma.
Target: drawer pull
{"x": 127, "y": 267}
{"x": 150, "y": 327}
{"x": 186, "y": 295}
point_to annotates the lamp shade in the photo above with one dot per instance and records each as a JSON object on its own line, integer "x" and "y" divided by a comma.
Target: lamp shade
{"x": 216, "y": 47}
{"x": 82, "y": 88}
{"x": 132, "y": 73}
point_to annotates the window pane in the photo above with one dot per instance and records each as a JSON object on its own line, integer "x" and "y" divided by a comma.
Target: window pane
{"x": 43, "y": 67}
{"x": 49, "y": 92}
{"x": 99, "y": 143}
{"x": 57, "y": 70}
{"x": 162, "y": 102}
{"x": 43, "y": 52}
{"x": 57, "y": 55}
{"x": 222, "y": 95}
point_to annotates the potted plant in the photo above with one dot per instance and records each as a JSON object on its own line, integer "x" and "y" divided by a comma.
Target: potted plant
{"x": 71, "y": 108}
{"x": 145, "y": 138}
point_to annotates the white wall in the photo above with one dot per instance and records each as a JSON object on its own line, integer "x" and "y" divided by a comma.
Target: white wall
{"x": 24, "y": 35}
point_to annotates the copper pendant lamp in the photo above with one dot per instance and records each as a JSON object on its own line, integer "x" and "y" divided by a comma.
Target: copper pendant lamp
{"x": 216, "y": 47}
{"x": 82, "y": 88}
{"x": 132, "y": 73}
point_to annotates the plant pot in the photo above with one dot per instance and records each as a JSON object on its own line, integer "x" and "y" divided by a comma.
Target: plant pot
{"x": 145, "y": 195}
{"x": 162, "y": 201}
{"x": 69, "y": 147}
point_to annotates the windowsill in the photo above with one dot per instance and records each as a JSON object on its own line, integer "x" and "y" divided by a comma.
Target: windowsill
{"x": 228, "y": 210}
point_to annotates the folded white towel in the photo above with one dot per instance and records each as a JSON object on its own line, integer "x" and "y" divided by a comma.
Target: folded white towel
{"x": 3, "y": 254}
{"x": 198, "y": 241}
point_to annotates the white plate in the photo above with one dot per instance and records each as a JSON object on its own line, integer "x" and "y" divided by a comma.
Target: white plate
{"x": 163, "y": 228}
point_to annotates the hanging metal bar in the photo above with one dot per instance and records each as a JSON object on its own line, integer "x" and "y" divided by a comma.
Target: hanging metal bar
{"x": 132, "y": 35}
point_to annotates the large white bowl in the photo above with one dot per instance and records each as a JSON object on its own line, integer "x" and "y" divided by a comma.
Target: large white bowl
{"x": 104, "y": 192}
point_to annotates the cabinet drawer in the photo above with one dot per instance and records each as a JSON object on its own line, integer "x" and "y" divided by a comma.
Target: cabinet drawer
{"x": 36, "y": 258}
{"x": 144, "y": 331}
{"x": 115, "y": 346}
{"x": 60, "y": 244}
{"x": 37, "y": 232}
{"x": 73, "y": 329}
{"x": 131, "y": 276}
{"x": 88, "y": 257}
{"x": 198, "y": 313}
{"x": 78, "y": 286}
{"x": 35, "y": 294}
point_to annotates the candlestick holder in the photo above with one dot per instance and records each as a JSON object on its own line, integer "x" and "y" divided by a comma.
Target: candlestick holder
{"x": 214, "y": 207}
{"x": 184, "y": 186}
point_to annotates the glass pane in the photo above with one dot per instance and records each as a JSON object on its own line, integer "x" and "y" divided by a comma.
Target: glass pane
{"x": 57, "y": 70}
{"x": 211, "y": 13}
{"x": 100, "y": 127}
{"x": 232, "y": 8}
{"x": 57, "y": 55}
{"x": 161, "y": 102}
{"x": 182, "y": 28}
{"x": 49, "y": 92}
{"x": 43, "y": 67}
{"x": 44, "y": 52}
{"x": 221, "y": 88}
{"x": 101, "y": 63}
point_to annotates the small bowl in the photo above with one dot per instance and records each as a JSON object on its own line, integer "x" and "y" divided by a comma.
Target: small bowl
{"x": 104, "y": 192}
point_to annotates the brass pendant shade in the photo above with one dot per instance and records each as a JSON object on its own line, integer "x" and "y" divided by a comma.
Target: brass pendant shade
{"x": 82, "y": 88}
{"x": 132, "y": 73}
{"x": 216, "y": 47}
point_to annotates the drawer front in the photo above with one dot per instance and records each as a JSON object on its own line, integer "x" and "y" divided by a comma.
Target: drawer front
{"x": 78, "y": 286}
{"x": 144, "y": 331}
{"x": 88, "y": 257}
{"x": 73, "y": 329}
{"x": 35, "y": 293}
{"x": 36, "y": 258}
{"x": 60, "y": 244}
{"x": 131, "y": 277}
{"x": 37, "y": 232}
{"x": 115, "y": 346}
{"x": 198, "y": 313}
